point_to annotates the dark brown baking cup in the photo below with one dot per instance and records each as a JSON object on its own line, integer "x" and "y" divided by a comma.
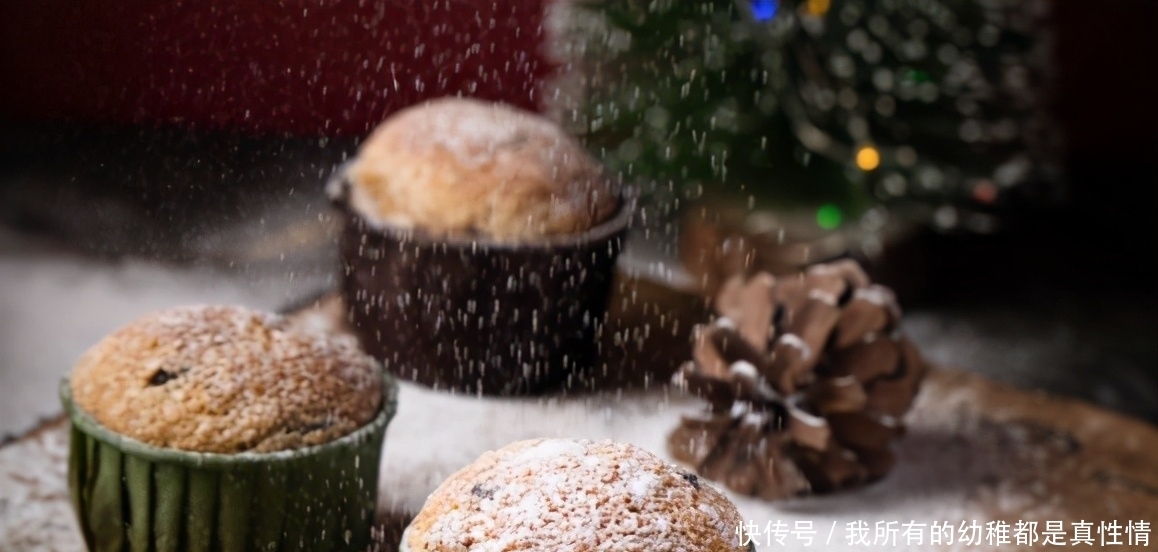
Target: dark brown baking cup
{"x": 132, "y": 496}
{"x": 477, "y": 315}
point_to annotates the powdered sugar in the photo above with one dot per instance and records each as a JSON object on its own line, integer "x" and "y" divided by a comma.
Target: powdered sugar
{"x": 563, "y": 494}
{"x": 463, "y": 167}
{"x": 474, "y": 131}
{"x": 545, "y": 450}
{"x": 793, "y": 340}
{"x": 35, "y": 513}
{"x": 226, "y": 379}
{"x": 877, "y": 295}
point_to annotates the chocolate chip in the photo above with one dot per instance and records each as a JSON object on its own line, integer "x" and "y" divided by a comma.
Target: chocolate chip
{"x": 483, "y": 492}
{"x": 310, "y": 428}
{"x": 160, "y": 377}
{"x": 691, "y": 478}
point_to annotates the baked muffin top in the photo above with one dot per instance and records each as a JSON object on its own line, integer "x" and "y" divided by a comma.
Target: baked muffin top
{"x": 563, "y": 494}
{"x": 457, "y": 166}
{"x": 226, "y": 379}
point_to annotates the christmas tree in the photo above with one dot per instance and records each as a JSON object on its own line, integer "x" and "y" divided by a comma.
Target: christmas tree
{"x": 930, "y": 108}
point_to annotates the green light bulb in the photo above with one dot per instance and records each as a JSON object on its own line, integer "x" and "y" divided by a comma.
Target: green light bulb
{"x": 828, "y": 216}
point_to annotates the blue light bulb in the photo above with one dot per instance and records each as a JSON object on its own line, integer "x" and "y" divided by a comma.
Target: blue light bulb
{"x": 763, "y": 10}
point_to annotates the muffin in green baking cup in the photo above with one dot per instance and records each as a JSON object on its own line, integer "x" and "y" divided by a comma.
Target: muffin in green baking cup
{"x": 132, "y": 496}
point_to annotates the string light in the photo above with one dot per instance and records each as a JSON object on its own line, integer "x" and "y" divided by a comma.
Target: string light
{"x": 764, "y": 10}
{"x": 985, "y": 192}
{"x": 868, "y": 158}
{"x": 897, "y": 92}
{"x": 829, "y": 216}
{"x": 817, "y": 7}
{"x": 934, "y": 124}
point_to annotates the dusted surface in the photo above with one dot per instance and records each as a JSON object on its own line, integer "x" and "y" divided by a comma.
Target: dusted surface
{"x": 974, "y": 450}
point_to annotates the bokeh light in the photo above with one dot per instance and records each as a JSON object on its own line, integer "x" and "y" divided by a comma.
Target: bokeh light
{"x": 829, "y": 216}
{"x": 868, "y": 158}
{"x": 764, "y": 10}
{"x": 817, "y": 7}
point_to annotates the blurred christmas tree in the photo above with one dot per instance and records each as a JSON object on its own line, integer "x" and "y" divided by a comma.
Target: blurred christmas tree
{"x": 933, "y": 109}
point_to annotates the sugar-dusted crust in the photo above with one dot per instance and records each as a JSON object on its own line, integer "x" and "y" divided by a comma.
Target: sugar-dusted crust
{"x": 457, "y": 166}
{"x": 577, "y": 495}
{"x": 226, "y": 379}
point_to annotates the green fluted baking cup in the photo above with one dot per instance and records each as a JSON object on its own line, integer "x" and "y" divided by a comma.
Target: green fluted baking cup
{"x": 132, "y": 496}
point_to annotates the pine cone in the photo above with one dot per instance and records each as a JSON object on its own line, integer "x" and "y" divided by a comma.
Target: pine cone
{"x": 806, "y": 379}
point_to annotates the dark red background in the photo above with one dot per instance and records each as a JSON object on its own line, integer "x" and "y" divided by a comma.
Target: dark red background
{"x": 333, "y": 67}
{"x": 337, "y": 67}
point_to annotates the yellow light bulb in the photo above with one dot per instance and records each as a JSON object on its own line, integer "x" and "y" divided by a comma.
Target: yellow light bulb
{"x": 868, "y": 158}
{"x": 817, "y": 7}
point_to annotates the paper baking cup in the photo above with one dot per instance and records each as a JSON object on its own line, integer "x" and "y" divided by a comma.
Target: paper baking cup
{"x": 132, "y": 496}
{"x": 479, "y": 315}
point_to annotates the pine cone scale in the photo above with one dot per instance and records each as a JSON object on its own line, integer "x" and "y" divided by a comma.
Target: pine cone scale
{"x": 696, "y": 438}
{"x": 719, "y": 393}
{"x": 832, "y": 395}
{"x": 859, "y": 431}
{"x": 832, "y": 469}
{"x": 860, "y": 318}
{"x": 749, "y": 307}
{"x": 780, "y": 477}
{"x": 789, "y": 363}
{"x": 808, "y": 430}
{"x": 813, "y": 326}
{"x": 733, "y": 347}
{"x": 867, "y": 361}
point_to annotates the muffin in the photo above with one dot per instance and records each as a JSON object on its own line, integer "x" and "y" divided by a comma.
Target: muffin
{"x": 479, "y": 248}
{"x": 463, "y": 167}
{"x": 225, "y": 428}
{"x": 576, "y": 495}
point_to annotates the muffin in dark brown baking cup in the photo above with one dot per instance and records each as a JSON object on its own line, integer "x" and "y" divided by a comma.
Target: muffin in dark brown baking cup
{"x": 129, "y": 495}
{"x": 477, "y": 315}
